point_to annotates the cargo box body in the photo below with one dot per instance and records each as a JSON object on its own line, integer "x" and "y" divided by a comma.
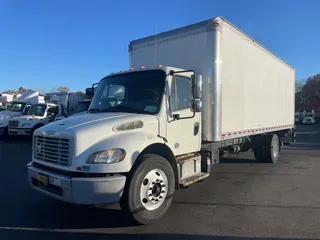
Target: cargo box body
{"x": 246, "y": 89}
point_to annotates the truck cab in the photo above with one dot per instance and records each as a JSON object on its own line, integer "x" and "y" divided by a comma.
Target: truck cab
{"x": 35, "y": 117}
{"x": 309, "y": 117}
{"x": 17, "y": 108}
{"x": 126, "y": 128}
{"x": 81, "y": 108}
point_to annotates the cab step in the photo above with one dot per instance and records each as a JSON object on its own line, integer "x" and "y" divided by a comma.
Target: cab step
{"x": 193, "y": 178}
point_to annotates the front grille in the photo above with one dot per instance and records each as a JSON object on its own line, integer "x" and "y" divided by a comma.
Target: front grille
{"x": 53, "y": 149}
{"x": 13, "y": 123}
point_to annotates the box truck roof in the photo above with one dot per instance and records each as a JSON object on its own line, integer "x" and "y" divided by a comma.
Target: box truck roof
{"x": 192, "y": 29}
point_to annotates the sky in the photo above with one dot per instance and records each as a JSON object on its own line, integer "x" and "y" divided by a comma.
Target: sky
{"x": 45, "y": 44}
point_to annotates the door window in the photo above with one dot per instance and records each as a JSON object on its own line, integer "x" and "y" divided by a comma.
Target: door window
{"x": 180, "y": 94}
{"x": 54, "y": 110}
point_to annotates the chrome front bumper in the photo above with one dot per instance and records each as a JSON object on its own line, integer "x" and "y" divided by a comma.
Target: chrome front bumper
{"x": 88, "y": 191}
{"x": 20, "y": 131}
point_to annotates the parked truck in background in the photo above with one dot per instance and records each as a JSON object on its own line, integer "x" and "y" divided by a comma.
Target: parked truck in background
{"x": 155, "y": 128}
{"x": 297, "y": 117}
{"x": 18, "y": 107}
{"x": 308, "y": 117}
{"x": 83, "y": 105}
{"x": 81, "y": 108}
{"x": 68, "y": 100}
{"x": 37, "y": 116}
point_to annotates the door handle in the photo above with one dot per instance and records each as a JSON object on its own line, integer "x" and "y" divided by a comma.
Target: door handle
{"x": 196, "y": 128}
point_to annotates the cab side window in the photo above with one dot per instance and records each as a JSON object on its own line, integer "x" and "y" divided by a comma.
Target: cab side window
{"x": 180, "y": 94}
{"x": 53, "y": 110}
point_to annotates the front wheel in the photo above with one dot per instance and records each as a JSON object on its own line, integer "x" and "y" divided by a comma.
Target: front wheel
{"x": 149, "y": 193}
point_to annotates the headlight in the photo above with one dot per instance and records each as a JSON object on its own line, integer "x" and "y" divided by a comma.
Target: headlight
{"x": 4, "y": 117}
{"x": 108, "y": 156}
{"x": 26, "y": 125}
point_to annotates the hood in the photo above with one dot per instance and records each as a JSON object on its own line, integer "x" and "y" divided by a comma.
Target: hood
{"x": 94, "y": 123}
{"x": 9, "y": 113}
{"x": 27, "y": 117}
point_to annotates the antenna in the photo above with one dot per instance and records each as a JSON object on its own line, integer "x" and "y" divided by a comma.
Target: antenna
{"x": 155, "y": 47}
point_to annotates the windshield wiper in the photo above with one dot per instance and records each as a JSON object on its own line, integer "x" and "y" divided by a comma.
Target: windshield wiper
{"x": 94, "y": 110}
{"x": 125, "y": 108}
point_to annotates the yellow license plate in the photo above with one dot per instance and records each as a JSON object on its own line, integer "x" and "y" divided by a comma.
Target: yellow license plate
{"x": 43, "y": 179}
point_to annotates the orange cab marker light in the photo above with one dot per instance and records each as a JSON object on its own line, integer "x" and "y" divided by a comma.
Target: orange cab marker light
{"x": 131, "y": 69}
{"x": 159, "y": 65}
{"x": 122, "y": 70}
{"x": 141, "y": 67}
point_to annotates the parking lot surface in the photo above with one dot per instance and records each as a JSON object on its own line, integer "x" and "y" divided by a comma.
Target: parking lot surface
{"x": 241, "y": 199}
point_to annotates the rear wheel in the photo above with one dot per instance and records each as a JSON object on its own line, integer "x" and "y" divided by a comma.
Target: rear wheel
{"x": 269, "y": 149}
{"x": 149, "y": 192}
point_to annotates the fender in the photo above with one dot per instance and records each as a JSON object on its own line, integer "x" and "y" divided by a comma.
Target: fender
{"x": 134, "y": 142}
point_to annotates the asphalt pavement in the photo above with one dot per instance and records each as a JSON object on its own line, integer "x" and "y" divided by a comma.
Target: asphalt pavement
{"x": 242, "y": 199}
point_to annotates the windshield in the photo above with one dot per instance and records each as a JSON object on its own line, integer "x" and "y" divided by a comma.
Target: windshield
{"x": 37, "y": 110}
{"x": 137, "y": 92}
{"x": 82, "y": 106}
{"x": 17, "y": 107}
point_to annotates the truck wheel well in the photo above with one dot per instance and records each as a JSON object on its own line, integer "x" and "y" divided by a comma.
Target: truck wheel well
{"x": 38, "y": 125}
{"x": 165, "y": 152}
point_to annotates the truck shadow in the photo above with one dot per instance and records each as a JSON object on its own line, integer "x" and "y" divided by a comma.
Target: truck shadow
{"x": 67, "y": 216}
{"x": 55, "y": 234}
{"x": 238, "y": 160}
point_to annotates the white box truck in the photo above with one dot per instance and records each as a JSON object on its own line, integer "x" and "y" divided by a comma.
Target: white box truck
{"x": 37, "y": 116}
{"x": 155, "y": 128}
{"x": 308, "y": 117}
{"x": 69, "y": 101}
{"x": 18, "y": 107}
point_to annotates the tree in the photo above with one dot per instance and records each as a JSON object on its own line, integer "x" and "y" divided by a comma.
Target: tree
{"x": 21, "y": 90}
{"x": 10, "y": 91}
{"x": 299, "y": 84}
{"x": 63, "y": 89}
{"x": 311, "y": 90}
{"x": 308, "y": 93}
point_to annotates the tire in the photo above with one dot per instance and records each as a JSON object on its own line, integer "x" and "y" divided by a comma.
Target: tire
{"x": 149, "y": 191}
{"x": 32, "y": 131}
{"x": 270, "y": 149}
{"x": 35, "y": 128}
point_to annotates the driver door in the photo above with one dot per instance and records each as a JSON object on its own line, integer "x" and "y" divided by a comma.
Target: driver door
{"x": 183, "y": 135}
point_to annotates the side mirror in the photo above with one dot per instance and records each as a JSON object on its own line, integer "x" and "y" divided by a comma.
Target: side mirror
{"x": 198, "y": 87}
{"x": 89, "y": 92}
{"x": 197, "y": 105}
{"x": 197, "y": 93}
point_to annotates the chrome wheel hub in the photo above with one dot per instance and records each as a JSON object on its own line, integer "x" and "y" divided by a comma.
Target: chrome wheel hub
{"x": 153, "y": 189}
